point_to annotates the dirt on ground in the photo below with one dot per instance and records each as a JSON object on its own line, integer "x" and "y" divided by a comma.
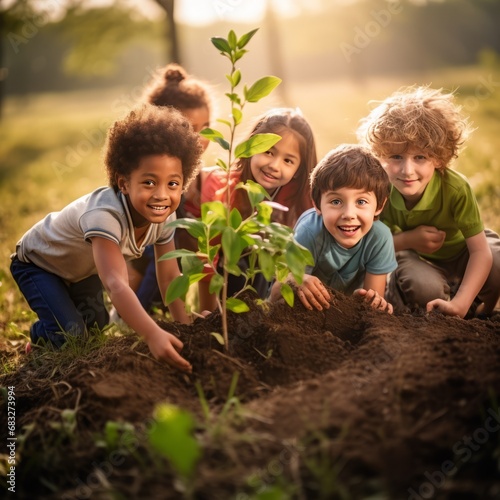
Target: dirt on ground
{"x": 346, "y": 403}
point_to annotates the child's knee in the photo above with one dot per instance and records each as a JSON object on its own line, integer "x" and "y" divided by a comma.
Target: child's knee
{"x": 417, "y": 289}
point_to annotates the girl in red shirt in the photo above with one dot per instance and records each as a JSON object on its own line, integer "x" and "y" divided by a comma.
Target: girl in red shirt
{"x": 283, "y": 171}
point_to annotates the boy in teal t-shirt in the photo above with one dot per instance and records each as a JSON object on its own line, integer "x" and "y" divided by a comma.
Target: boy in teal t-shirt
{"x": 446, "y": 259}
{"x": 352, "y": 251}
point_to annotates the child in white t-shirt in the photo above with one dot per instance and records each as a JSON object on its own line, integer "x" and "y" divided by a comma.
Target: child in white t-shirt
{"x": 62, "y": 263}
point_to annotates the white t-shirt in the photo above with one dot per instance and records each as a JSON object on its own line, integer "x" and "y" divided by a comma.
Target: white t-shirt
{"x": 60, "y": 243}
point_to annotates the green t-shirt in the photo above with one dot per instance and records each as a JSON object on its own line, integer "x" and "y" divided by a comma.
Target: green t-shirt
{"x": 448, "y": 204}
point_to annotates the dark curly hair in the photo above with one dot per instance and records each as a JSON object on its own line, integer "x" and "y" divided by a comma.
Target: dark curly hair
{"x": 173, "y": 86}
{"x": 149, "y": 130}
{"x": 350, "y": 166}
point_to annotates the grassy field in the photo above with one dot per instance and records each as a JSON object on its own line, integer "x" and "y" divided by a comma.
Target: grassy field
{"x": 51, "y": 149}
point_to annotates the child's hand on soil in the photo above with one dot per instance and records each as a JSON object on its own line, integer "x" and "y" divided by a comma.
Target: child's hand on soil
{"x": 313, "y": 294}
{"x": 374, "y": 299}
{"x": 163, "y": 345}
{"x": 450, "y": 308}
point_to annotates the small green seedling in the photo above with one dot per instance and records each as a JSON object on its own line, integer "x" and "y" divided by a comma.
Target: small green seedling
{"x": 270, "y": 247}
{"x": 118, "y": 436}
{"x": 172, "y": 436}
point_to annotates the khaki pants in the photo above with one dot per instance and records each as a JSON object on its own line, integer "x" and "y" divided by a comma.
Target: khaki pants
{"x": 417, "y": 281}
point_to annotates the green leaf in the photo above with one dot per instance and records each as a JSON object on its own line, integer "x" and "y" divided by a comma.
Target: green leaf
{"x": 218, "y": 337}
{"x": 223, "y": 143}
{"x": 296, "y": 260}
{"x": 236, "y": 78}
{"x": 282, "y": 274}
{"x": 215, "y": 136}
{"x": 233, "y": 97}
{"x": 284, "y": 231}
{"x": 264, "y": 212}
{"x": 266, "y": 264}
{"x": 256, "y": 193}
{"x": 191, "y": 264}
{"x": 249, "y": 227}
{"x": 194, "y": 278}
{"x": 232, "y": 40}
{"x": 221, "y": 44}
{"x": 213, "y": 252}
{"x": 220, "y": 120}
{"x": 233, "y": 269}
{"x": 228, "y": 241}
{"x": 238, "y": 55}
{"x": 232, "y": 245}
{"x": 287, "y": 294}
{"x": 176, "y": 254}
{"x": 177, "y": 289}
{"x": 172, "y": 435}
{"x": 261, "y": 88}
{"x": 246, "y": 38}
{"x": 222, "y": 164}
{"x": 216, "y": 284}
{"x": 259, "y": 143}
{"x": 237, "y": 116}
{"x": 211, "y": 133}
{"x": 194, "y": 227}
{"x": 235, "y": 218}
{"x": 236, "y": 305}
{"x": 213, "y": 210}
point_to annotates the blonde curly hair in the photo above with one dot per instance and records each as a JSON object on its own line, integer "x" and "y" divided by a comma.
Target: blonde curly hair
{"x": 417, "y": 117}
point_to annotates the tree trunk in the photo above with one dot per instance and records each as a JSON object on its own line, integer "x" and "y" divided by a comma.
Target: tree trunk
{"x": 3, "y": 70}
{"x": 275, "y": 52}
{"x": 171, "y": 35}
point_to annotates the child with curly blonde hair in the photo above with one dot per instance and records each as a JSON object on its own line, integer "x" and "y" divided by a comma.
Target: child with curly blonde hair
{"x": 446, "y": 259}
{"x": 62, "y": 263}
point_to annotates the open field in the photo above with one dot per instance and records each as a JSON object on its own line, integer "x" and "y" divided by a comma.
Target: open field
{"x": 51, "y": 146}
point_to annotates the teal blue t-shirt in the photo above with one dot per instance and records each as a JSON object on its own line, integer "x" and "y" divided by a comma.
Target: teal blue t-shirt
{"x": 342, "y": 268}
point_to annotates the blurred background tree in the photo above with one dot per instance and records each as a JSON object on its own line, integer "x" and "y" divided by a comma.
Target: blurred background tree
{"x": 90, "y": 45}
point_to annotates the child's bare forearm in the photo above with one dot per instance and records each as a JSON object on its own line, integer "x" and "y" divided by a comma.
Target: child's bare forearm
{"x": 177, "y": 309}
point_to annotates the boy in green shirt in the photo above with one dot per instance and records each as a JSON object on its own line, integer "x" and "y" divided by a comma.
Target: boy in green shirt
{"x": 446, "y": 259}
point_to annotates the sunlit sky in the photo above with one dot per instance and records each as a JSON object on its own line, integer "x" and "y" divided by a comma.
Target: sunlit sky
{"x": 207, "y": 11}
{"x": 198, "y": 12}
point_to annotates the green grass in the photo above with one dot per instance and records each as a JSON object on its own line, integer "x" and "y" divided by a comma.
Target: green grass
{"x": 51, "y": 149}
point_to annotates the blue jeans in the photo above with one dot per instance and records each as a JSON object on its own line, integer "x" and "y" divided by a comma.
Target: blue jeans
{"x": 61, "y": 307}
{"x": 148, "y": 292}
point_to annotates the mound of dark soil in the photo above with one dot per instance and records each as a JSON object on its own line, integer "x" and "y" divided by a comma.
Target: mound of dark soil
{"x": 344, "y": 403}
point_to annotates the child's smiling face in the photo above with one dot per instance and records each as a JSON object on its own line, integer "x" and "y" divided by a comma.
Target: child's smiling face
{"x": 277, "y": 166}
{"x": 348, "y": 214}
{"x": 409, "y": 173}
{"x": 153, "y": 189}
